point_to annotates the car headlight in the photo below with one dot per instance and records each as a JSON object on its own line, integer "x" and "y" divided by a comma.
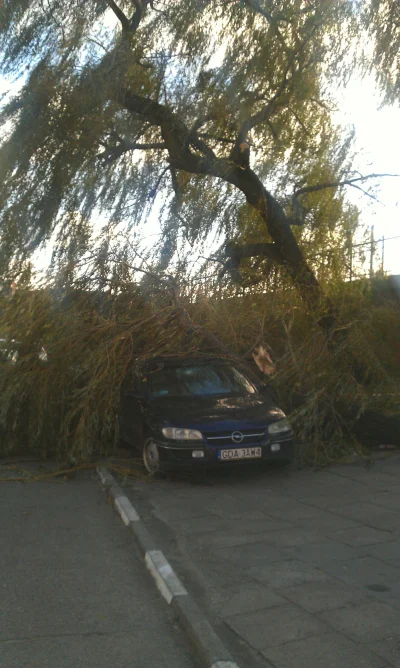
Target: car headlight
{"x": 279, "y": 427}
{"x": 178, "y": 434}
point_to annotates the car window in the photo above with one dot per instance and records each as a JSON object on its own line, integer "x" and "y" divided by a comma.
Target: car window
{"x": 199, "y": 380}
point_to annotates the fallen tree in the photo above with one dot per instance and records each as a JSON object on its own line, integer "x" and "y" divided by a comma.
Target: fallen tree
{"x": 66, "y": 403}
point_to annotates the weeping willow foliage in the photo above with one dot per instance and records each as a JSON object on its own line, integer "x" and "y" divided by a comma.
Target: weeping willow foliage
{"x": 70, "y": 143}
{"x": 60, "y": 394}
{"x": 382, "y": 21}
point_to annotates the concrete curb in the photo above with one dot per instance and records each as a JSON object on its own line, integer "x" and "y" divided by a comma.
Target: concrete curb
{"x": 193, "y": 622}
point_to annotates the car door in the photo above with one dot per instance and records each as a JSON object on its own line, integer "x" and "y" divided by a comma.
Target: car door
{"x": 132, "y": 409}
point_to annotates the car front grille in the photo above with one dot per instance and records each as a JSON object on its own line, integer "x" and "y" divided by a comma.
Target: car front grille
{"x": 225, "y": 437}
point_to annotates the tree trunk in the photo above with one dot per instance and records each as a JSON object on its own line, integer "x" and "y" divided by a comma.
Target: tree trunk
{"x": 285, "y": 248}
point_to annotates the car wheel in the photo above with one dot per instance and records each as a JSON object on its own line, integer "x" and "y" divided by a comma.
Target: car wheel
{"x": 151, "y": 458}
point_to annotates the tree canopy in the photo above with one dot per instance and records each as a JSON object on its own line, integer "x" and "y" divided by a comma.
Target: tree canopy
{"x": 216, "y": 114}
{"x": 382, "y": 20}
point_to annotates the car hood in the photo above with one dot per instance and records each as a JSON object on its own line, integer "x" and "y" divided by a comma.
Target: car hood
{"x": 227, "y": 412}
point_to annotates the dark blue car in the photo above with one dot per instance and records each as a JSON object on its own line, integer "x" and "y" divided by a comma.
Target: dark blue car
{"x": 200, "y": 411}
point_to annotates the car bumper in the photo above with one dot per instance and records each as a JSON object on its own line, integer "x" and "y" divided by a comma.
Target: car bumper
{"x": 173, "y": 456}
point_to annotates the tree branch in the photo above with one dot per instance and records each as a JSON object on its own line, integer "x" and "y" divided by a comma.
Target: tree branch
{"x": 153, "y": 191}
{"x": 265, "y": 113}
{"x": 176, "y": 136}
{"x": 113, "y": 153}
{"x": 140, "y": 8}
{"x": 223, "y": 140}
{"x": 253, "y": 4}
{"x": 300, "y": 122}
{"x": 119, "y": 14}
{"x": 130, "y": 25}
{"x": 174, "y": 131}
{"x": 338, "y": 184}
{"x": 145, "y": 147}
{"x": 298, "y": 209}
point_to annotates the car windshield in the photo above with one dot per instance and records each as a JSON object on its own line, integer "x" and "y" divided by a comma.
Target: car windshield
{"x": 198, "y": 380}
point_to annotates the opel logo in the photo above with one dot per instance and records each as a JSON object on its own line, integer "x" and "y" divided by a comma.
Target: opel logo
{"x": 237, "y": 437}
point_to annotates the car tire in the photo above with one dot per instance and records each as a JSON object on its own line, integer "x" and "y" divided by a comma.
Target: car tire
{"x": 151, "y": 458}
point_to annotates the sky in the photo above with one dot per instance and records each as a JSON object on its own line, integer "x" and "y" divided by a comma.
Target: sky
{"x": 378, "y": 151}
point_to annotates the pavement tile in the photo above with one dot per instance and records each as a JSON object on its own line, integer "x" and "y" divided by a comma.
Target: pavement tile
{"x": 366, "y": 622}
{"x": 328, "y": 521}
{"x": 290, "y": 537}
{"x": 229, "y": 538}
{"x": 330, "y": 650}
{"x": 383, "y": 480}
{"x": 176, "y": 514}
{"x": 324, "y": 551}
{"x": 328, "y": 595}
{"x": 365, "y": 571}
{"x": 375, "y": 476}
{"x": 229, "y": 506}
{"x": 331, "y": 487}
{"x": 361, "y": 536}
{"x": 329, "y": 500}
{"x": 286, "y": 573}
{"x": 389, "y": 594}
{"x": 371, "y": 515}
{"x": 205, "y": 523}
{"x": 388, "y": 649}
{"x": 248, "y": 526}
{"x": 214, "y": 572}
{"x": 389, "y": 500}
{"x": 389, "y": 552}
{"x": 238, "y": 599}
{"x": 253, "y": 555}
{"x": 290, "y": 510}
{"x": 267, "y": 628}
{"x": 236, "y": 514}
{"x": 213, "y": 524}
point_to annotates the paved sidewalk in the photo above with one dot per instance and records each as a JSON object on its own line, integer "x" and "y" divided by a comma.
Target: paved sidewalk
{"x": 73, "y": 592}
{"x": 298, "y": 570}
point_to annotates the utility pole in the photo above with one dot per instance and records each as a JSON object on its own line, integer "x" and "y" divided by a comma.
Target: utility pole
{"x": 383, "y": 254}
{"x": 351, "y": 259}
{"x": 371, "y": 261}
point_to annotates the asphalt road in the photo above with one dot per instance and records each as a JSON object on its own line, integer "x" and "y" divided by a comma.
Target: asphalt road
{"x": 74, "y": 592}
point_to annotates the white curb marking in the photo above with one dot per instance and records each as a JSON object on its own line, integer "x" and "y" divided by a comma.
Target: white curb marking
{"x": 126, "y": 510}
{"x": 105, "y": 477}
{"x": 163, "y": 574}
{"x": 165, "y": 578}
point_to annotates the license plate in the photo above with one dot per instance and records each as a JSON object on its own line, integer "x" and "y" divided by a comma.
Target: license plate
{"x": 231, "y": 454}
